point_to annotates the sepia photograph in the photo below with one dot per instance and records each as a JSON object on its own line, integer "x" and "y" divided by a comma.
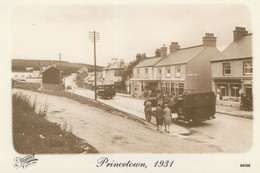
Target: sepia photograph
{"x": 112, "y": 81}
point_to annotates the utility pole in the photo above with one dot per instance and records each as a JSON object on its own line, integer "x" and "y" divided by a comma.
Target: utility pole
{"x": 60, "y": 72}
{"x": 94, "y": 37}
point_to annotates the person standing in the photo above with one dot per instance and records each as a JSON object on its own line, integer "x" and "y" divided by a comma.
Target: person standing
{"x": 148, "y": 110}
{"x": 167, "y": 118}
{"x": 159, "y": 117}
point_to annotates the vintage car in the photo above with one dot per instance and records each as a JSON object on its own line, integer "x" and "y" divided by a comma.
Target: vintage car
{"x": 191, "y": 107}
{"x": 106, "y": 91}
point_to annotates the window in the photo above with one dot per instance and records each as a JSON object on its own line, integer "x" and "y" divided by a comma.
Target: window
{"x": 159, "y": 74}
{"x": 173, "y": 88}
{"x": 181, "y": 88}
{"x": 168, "y": 71}
{"x": 177, "y": 71}
{"x": 248, "y": 68}
{"x": 226, "y": 69}
{"x": 223, "y": 92}
{"x": 235, "y": 90}
{"x": 138, "y": 72}
{"x": 146, "y": 71}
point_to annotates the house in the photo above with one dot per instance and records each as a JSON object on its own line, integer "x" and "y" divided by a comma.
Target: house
{"x": 182, "y": 70}
{"x": 90, "y": 79}
{"x": 83, "y": 70}
{"x": 232, "y": 70}
{"x": 51, "y": 79}
{"x": 113, "y": 72}
{"x": 143, "y": 76}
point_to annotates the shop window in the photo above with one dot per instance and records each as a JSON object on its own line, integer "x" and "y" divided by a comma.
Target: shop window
{"x": 223, "y": 92}
{"x": 168, "y": 72}
{"x": 235, "y": 90}
{"x": 226, "y": 69}
{"x": 173, "y": 88}
{"x": 248, "y": 67}
{"x": 159, "y": 74}
{"x": 168, "y": 89}
{"x": 178, "y": 71}
{"x": 181, "y": 88}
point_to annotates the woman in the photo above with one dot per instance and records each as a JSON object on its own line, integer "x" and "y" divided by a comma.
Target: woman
{"x": 159, "y": 117}
{"x": 167, "y": 115}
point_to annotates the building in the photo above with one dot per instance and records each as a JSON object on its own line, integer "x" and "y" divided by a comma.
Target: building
{"x": 51, "y": 79}
{"x": 113, "y": 72}
{"x": 183, "y": 69}
{"x": 83, "y": 70}
{"x": 232, "y": 70}
{"x": 143, "y": 77}
{"x": 90, "y": 79}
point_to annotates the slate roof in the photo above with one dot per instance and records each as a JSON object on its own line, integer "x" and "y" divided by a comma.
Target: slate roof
{"x": 237, "y": 50}
{"x": 181, "y": 56}
{"x": 148, "y": 62}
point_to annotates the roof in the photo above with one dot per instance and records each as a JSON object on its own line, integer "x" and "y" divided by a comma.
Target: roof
{"x": 181, "y": 56}
{"x": 115, "y": 65}
{"x": 237, "y": 50}
{"x": 148, "y": 62}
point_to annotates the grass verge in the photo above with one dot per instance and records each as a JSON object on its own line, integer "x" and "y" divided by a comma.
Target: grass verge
{"x": 33, "y": 134}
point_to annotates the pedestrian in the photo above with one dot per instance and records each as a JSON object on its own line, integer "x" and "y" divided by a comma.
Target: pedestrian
{"x": 148, "y": 110}
{"x": 159, "y": 117}
{"x": 167, "y": 116}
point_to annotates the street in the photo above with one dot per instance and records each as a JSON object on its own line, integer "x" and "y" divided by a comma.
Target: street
{"x": 227, "y": 133}
{"x": 110, "y": 133}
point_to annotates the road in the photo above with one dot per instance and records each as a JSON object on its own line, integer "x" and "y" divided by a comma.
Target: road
{"x": 110, "y": 133}
{"x": 227, "y": 133}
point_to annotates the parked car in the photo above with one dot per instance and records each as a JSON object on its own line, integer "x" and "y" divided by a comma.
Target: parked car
{"x": 191, "y": 107}
{"x": 106, "y": 91}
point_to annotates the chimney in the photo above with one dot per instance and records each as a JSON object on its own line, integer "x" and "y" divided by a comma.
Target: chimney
{"x": 174, "y": 47}
{"x": 114, "y": 60}
{"x": 209, "y": 40}
{"x": 163, "y": 51}
{"x": 143, "y": 55}
{"x": 122, "y": 63}
{"x": 158, "y": 53}
{"x": 138, "y": 56}
{"x": 239, "y": 32}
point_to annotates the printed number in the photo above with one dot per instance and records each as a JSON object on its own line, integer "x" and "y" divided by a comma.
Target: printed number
{"x": 244, "y": 165}
{"x": 162, "y": 163}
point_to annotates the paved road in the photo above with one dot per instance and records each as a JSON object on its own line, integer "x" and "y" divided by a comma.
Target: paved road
{"x": 227, "y": 133}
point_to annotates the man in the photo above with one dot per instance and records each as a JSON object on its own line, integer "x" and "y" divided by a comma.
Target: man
{"x": 148, "y": 110}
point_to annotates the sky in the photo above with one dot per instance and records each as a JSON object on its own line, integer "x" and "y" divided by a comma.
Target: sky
{"x": 44, "y": 31}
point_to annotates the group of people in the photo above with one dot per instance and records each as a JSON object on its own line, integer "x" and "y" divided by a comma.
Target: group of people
{"x": 162, "y": 115}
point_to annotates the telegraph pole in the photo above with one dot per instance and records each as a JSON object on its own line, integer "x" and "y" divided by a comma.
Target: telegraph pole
{"x": 94, "y": 37}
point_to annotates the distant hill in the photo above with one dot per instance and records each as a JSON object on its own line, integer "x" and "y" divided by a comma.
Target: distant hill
{"x": 19, "y": 65}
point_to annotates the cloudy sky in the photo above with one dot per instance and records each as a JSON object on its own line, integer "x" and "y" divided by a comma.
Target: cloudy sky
{"x": 41, "y": 32}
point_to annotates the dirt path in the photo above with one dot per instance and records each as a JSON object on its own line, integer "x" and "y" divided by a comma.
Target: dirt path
{"x": 110, "y": 133}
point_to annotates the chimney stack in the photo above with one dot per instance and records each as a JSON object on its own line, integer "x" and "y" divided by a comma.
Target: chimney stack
{"x": 239, "y": 32}
{"x": 138, "y": 56}
{"x": 209, "y": 40}
{"x": 174, "y": 47}
{"x": 163, "y": 51}
{"x": 143, "y": 55}
{"x": 158, "y": 53}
